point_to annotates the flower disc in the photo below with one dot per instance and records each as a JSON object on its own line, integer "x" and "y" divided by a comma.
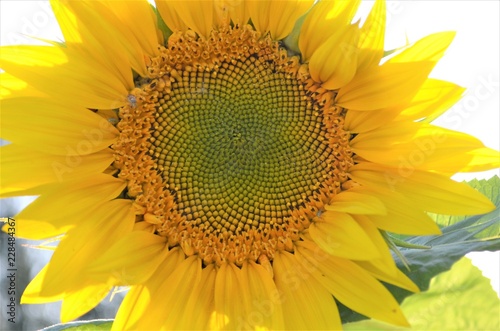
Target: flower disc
{"x": 186, "y": 154}
{"x": 241, "y": 142}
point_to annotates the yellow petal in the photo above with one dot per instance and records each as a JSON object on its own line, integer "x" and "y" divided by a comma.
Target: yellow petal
{"x": 11, "y": 86}
{"x": 80, "y": 82}
{"x": 430, "y": 48}
{"x": 264, "y": 18}
{"x": 32, "y": 56}
{"x": 427, "y": 191}
{"x": 340, "y": 235}
{"x": 398, "y": 278}
{"x": 131, "y": 260}
{"x": 83, "y": 300}
{"x": 334, "y": 63}
{"x": 482, "y": 159}
{"x": 32, "y": 292}
{"x": 371, "y": 41}
{"x": 238, "y": 12}
{"x": 246, "y": 299}
{"x": 322, "y": 21}
{"x": 434, "y": 97}
{"x": 363, "y": 121}
{"x": 169, "y": 14}
{"x": 67, "y": 23}
{"x": 16, "y": 161}
{"x": 134, "y": 307}
{"x": 356, "y": 202}
{"x": 90, "y": 19}
{"x": 384, "y": 86}
{"x": 422, "y": 146}
{"x": 132, "y": 29}
{"x": 198, "y": 15}
{"x": 402, "y": 215}
{"x": 201, "y": 302}
{"x": 37, "y": 119}
{"x": 307, "y": 305}
{"x": 389, "y": 85}
{"x": 263, "y": 304}
{"x": 82, "y": 244}
{"x": 383, "y": 268}
{"x": 169, "y": 300}
{"x": 229, "y": 306}
{"x": 385, "y": 258}
{"x": 38, "y": 220}
{"x": 351, "y": 284}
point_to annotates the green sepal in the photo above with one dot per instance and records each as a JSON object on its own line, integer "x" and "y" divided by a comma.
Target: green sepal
{"x": 404, "y": 244}
{"x": 458, "y": 299}
{"x": 291, "y": 42}
{"x": 162, "y": 25}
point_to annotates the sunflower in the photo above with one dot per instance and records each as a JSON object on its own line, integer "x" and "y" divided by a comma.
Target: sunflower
{"x": 236, "y": 164}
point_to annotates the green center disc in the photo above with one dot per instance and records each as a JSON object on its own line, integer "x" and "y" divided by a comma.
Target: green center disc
{"x": 241, "y": 146}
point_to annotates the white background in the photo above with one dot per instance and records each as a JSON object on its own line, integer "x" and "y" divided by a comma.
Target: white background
{"x": 472, "y": 61}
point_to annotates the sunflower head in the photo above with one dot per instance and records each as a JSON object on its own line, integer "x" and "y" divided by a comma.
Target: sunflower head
{"x": 236, "y": 161}
{"x": 236, "y": 143}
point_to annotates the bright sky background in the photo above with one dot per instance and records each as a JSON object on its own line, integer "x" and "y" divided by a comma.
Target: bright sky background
{"x": 472, "y": 61}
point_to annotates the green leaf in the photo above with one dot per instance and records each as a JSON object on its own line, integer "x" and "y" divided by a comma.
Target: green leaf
{"x": 92, "y": 325}
{"x": 459, "y": 299}
{"x": 426, "y": 264}
{"x": 489, "y": 188}
{"x": 460, "y": 235}
{"x": 371, "y": 325}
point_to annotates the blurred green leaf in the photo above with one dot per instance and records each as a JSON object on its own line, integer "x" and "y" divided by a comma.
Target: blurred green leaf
{"x": 460, "y": 235}
{"x": 371, "y": 325}
{"x": 459, "y": 299}
{"x": 490, "y": 188}
{"x": 93, "y": 325}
